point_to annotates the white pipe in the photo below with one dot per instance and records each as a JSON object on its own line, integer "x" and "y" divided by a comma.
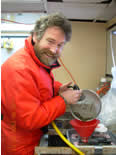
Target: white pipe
{"x": 112, "y": 51}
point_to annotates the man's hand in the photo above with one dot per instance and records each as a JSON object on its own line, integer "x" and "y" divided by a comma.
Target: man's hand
{"x": 64, "y": 87}
{"x": 71, "y": 96}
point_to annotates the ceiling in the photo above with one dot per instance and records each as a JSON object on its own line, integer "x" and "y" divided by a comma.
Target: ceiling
{"x": 84, "y": 10}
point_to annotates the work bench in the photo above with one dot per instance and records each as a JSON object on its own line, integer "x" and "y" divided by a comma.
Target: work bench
{"x": 88, "y": 150}
{"x": 58, "y": 149}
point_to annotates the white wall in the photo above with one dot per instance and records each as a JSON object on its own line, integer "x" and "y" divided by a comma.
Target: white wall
{"x": 85, "y": 55}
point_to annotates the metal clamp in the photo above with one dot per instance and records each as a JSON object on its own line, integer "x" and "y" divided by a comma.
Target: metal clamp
{"x": 98, "y": 150}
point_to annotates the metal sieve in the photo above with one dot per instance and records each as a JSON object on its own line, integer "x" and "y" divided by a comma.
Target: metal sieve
{"x": 88, "y": 107}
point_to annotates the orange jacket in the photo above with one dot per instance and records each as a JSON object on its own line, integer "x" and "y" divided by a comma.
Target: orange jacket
{"x": 30, "y": 101}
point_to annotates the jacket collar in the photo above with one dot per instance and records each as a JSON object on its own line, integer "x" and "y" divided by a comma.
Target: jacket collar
{"x": 29, "y": 48}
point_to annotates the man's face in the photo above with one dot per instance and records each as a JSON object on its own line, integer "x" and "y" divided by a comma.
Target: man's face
{"x": 49, "y": 48}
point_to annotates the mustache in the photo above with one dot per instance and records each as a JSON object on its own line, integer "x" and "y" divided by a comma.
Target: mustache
{"x": 50, "y": 53}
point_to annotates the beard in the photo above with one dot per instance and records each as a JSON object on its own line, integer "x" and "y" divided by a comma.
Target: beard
{"x": 45, "y": 55}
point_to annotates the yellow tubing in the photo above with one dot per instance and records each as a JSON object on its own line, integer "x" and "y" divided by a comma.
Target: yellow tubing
{"x": 66, "y": 140}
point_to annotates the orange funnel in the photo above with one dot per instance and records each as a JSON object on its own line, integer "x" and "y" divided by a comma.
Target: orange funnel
{"x": 84, "y": 129}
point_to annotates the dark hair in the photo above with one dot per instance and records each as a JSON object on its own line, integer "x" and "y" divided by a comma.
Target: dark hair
{"x": 56, "y": 19}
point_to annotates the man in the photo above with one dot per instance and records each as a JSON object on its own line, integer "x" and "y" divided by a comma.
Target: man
{"x": 31, "y": 98}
